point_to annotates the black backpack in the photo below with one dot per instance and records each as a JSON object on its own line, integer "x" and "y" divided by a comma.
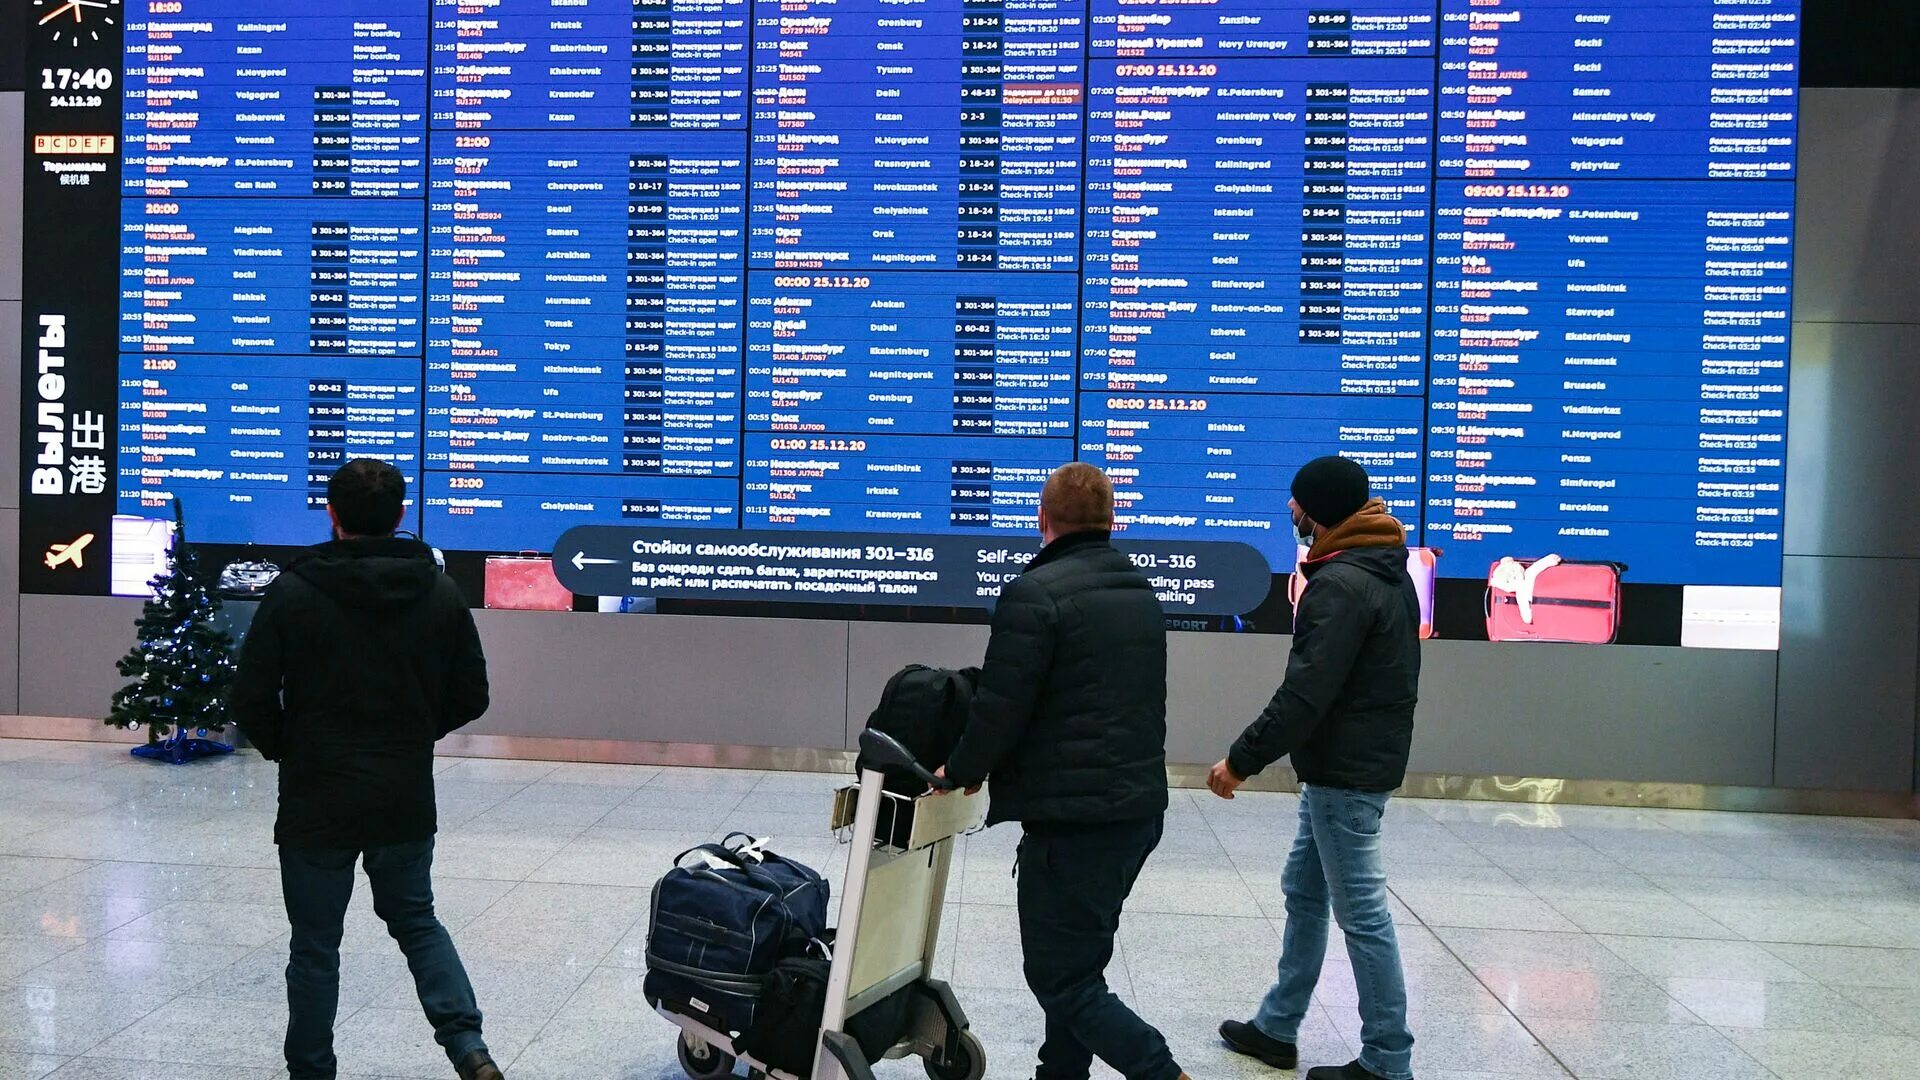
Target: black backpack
{"x": 786, "y": 1031}
{"x": 925, "y": 708}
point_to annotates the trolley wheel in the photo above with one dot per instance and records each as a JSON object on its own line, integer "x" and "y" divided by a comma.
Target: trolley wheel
{"x": 704, "y": 1061}
{"x": 967, "y": 1062}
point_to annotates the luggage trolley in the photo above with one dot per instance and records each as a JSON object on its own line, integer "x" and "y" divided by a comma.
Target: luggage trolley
{"x": 897, "y": 865}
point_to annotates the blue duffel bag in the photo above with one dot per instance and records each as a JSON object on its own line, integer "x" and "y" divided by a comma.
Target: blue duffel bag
{"x": 723, "y": 916}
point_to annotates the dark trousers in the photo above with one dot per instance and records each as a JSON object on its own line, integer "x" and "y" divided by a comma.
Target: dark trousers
{"x": 317, "y": 884}
{"x": 1072, "y": 885}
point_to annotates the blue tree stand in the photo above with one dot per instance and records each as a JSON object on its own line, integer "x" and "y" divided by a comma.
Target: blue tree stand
{"x": 179, "y": 749}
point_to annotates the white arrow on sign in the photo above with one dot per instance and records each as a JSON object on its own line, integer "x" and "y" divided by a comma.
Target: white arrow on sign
{"x": 581, "y": 562}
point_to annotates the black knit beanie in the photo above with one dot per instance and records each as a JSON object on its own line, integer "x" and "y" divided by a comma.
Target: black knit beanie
{"x": 1330, "y": 489}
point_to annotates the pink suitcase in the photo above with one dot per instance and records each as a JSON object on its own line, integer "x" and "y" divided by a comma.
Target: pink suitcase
{"x": 1553, "y": 599}
{"x": 1422, "y": 566}
{"x": 524, "y": 583}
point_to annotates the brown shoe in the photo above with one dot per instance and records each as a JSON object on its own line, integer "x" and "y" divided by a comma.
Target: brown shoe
{"x": 479, "y": 1066}
{"x": 1243, "y": 1038}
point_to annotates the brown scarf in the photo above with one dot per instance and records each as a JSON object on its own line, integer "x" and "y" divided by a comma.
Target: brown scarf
{"x": 1369, "y": 526}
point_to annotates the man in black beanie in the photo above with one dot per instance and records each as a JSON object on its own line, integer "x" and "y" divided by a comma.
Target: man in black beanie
{"x": 1345, "y": 714}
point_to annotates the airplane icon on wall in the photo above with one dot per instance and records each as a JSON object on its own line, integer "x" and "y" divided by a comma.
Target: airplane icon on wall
{"x": 60, "y": 555}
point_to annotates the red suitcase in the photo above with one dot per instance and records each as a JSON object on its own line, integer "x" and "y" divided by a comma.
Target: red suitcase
{"x": 1553, "y": 599}
{"x": 1422, "y": 566}
{"x": 524, "y": 583}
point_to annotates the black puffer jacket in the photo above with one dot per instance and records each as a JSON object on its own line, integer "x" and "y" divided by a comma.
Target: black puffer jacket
{"x": 1345, "y": 711}
{"x": 362, "y": 655}
{"x": 1070, "y": 716}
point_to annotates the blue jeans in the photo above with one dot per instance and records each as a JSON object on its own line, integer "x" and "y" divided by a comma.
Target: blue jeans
{"x": 317, "y": 883}
{"x": 1073, "y": 883}
{"x": 1336, "y": 862}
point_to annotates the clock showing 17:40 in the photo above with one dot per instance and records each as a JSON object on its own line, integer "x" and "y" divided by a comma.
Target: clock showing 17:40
{"x": 67, "y": 21}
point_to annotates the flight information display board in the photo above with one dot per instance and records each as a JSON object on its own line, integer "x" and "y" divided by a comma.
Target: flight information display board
{"x": 874, "y": 267}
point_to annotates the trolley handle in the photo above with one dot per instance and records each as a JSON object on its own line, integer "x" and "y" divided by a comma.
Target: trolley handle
{"x": 883, "y": 751}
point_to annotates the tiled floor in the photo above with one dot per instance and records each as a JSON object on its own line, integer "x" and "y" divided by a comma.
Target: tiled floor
{"x": 141, "y": 934}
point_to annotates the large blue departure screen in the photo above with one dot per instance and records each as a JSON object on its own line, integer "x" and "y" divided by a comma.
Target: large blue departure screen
{"x": 876, "y": 266}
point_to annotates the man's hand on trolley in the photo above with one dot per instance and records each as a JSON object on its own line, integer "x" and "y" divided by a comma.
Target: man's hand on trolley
{"x": 941, "y": 772}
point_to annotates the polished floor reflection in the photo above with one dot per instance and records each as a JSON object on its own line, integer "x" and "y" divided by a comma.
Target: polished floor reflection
{"x": 141, "y": 934}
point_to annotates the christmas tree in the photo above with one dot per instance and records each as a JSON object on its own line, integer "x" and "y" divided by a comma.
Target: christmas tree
{"x": 183, "y": 665}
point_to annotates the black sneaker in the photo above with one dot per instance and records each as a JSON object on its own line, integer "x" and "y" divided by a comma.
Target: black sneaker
{"x": 479, "y": 1066}
{"x": 1352, "y": 1070}
{"x": 1246, "y": 1039}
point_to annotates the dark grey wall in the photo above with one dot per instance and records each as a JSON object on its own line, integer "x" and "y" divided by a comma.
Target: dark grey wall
{"x": 1850, "y": 655}
{"x": 11, "y": 139}
{"x": 1836, "y": 708}
{"x": 1622, "y": 712}
{"x": 752, "y": 682}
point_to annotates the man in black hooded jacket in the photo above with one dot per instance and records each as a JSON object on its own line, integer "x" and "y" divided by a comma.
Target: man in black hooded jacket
{"x": 1345, "y": 715}
{"x": 1069, "y": 719}
{"x": 362, "y": 655}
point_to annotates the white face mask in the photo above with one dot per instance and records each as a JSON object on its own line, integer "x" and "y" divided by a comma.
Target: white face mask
{"x": 1303, "y": 531}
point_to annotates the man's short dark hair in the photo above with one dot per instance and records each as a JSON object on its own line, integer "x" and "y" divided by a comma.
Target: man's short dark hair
{"x": 1078, "y": 497}
{"x": 367, "y": 496}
